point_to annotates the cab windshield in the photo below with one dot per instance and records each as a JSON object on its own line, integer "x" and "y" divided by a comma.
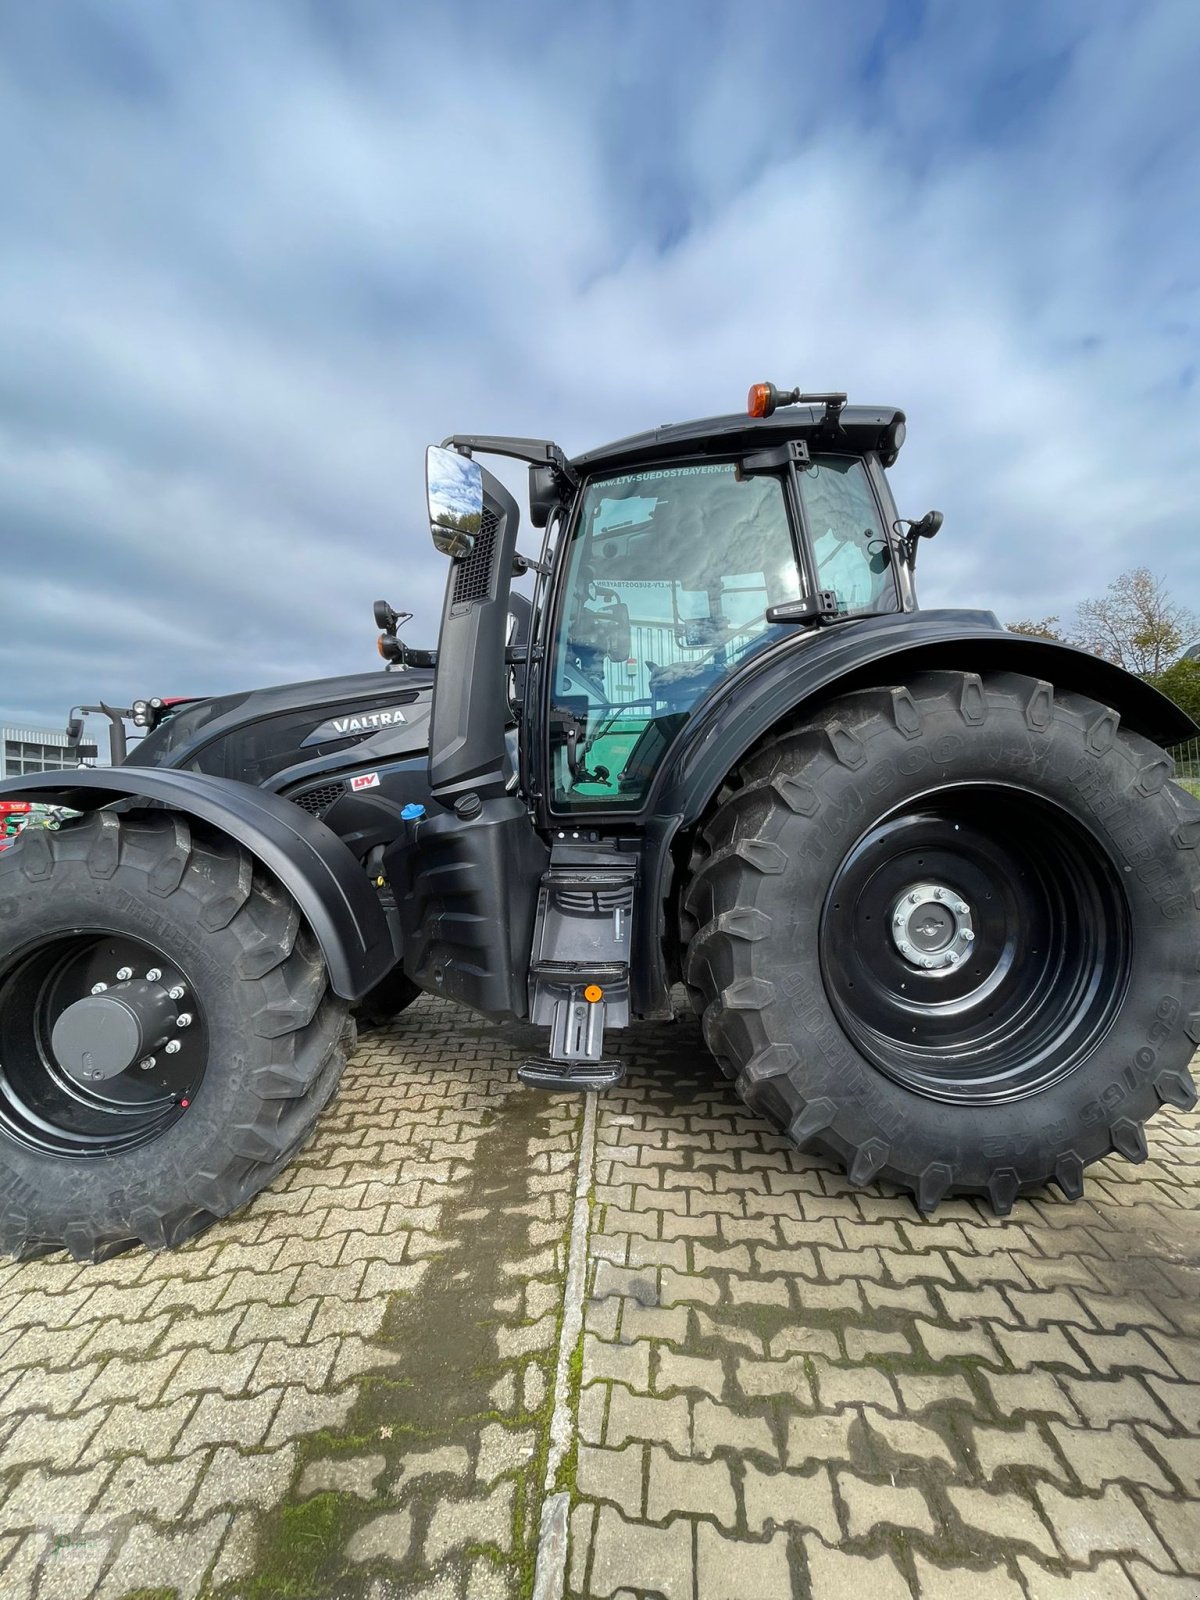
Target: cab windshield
{"x": 669, "y": 576}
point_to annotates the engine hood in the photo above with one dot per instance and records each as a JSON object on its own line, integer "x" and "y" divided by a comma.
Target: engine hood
{"x": 260, "y": 735}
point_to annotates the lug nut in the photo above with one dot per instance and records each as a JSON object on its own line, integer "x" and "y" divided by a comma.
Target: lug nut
{"x": 914, "y": 899}
{"x": 124, "y": 974}
{"x": 967, "y": 935}
{"x": 99, "y": 988}
{"x": 963, "y": 908}
{"x": 184, "y": 1019}
{"x": 176, "y": 993}
{"x": 928, "y": 962}
{"x": 939, "y": 894}
{"x": 147, "y": 1062}
{"x": 173, "y": 1047}
{"x": 953, "y": 958}
{"x": 153, "y": 975}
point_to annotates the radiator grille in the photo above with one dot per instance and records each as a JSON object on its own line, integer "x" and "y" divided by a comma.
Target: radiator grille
{"x": 473, "y": 577}
{"x": 318, "y": 801}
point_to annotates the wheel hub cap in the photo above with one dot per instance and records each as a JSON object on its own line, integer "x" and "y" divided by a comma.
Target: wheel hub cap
{"x": 102, "y": 1035}
{"x": 975, "y": 943}
{"x": 932, "y": 927}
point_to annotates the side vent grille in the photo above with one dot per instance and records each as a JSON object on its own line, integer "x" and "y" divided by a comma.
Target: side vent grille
{"x": 593, "y": 902}
{"x": 318, "y": 801}
{"x": 473, "y": 577}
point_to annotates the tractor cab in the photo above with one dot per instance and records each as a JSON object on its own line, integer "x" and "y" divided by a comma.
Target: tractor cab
{"x": 677, "y": 575}
{"x": 674, "y": 558}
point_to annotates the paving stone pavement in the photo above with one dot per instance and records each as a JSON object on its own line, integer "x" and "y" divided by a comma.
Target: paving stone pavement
{"x": 783, "y": 1387}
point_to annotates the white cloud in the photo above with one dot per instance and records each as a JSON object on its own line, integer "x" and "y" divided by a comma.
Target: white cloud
{"x": 257, "y": 257}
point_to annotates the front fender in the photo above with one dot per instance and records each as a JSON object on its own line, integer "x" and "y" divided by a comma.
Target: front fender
{"x": 314, "y": 866}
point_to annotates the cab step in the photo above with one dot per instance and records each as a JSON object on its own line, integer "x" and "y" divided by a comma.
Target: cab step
{"x": 577, "y": 1076}
{"x": 579, "y": 966}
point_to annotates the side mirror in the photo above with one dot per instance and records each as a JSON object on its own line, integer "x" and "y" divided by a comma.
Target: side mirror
{"x": 454, "y": 489}
{"x": 74, "y": 733}
{"x": 925, "y": 528}
{"x": 929, "y": 524}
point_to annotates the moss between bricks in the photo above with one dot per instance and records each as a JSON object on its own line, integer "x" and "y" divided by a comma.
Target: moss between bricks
{"x": 536, "y": 1478}
{"x": 568, "y": 1467}
{"x": 437, "y": 1395}
{"x": 304, "y": 1534}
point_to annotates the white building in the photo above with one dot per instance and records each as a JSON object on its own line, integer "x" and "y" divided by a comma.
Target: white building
{"x": 25, "y": 750}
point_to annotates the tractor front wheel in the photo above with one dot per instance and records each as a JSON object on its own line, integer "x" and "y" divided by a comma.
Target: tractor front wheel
{"x": 167, "y": 1034}
{"x": 947, "y": 933}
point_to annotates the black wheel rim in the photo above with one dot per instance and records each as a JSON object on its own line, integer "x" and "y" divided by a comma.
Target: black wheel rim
{"x": 60, "y": 1101}
{"x": 975, "y": 944}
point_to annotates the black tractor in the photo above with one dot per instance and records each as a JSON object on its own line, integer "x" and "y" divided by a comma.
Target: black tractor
{"x": 929, "y": 884}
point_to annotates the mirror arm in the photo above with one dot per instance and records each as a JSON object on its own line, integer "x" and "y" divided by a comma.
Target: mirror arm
{"x": 924, "y": 528}
{"x": 538, "y": 452}
{"x": 118, "y": 739}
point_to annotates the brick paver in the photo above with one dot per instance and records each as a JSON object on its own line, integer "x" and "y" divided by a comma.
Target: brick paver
{"x": 349, "y": 1380}
{"x": 783, "y": 1387}
{"x": 837, "y": 1398}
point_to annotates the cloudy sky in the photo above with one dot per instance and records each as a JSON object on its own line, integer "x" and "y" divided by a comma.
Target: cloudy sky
{"x": 254, "y": 256}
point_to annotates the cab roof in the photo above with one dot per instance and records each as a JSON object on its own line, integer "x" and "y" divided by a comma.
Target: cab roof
{"x": 860, "y": 429}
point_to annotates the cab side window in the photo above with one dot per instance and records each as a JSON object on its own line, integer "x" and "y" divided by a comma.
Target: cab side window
{"x": 850, "y": 544}
{"x": 669, "y": 577}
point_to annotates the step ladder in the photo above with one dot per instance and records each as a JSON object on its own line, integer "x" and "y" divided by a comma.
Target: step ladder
{"x": 579, "y": 969}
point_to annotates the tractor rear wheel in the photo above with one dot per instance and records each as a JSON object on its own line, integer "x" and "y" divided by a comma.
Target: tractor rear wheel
{"x": 947, "y": 933}
{"x": 167, "y": 1034}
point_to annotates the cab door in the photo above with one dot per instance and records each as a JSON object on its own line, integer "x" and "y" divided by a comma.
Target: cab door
{"x": 668, "y": 574}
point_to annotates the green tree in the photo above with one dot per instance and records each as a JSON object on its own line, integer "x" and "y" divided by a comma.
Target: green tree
{"x": 1135, "y": 623}
{"x": 1045, "y": 628}
{"x": 1181, "y": 683}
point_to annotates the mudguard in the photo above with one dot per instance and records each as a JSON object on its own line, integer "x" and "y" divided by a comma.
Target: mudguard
{"x": 888, "y": 649}
{"x": 799, "y": 674}
{"x": 315, "y": 867}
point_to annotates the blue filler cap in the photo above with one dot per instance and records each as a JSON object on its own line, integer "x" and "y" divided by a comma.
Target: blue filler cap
{"x": 412, "y": 812}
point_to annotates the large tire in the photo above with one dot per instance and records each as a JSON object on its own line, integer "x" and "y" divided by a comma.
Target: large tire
{"x": 268, "y": 1038}
{"x": 1082, "y": 862}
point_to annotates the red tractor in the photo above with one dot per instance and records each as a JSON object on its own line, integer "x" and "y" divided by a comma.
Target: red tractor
{"x": 13, "y": 816}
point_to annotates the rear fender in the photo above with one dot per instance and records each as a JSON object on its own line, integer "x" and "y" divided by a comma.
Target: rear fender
{"x": 833, "y": 661}
{"x": 886, "y": 650}
{"x": 328, "y": 884}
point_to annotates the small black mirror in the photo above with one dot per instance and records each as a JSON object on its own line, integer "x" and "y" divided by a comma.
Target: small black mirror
{"x": 544, "y": 494}
{"x": 454, "y": 489}
{"x": 74, "y": 733}
{"x": 924, "y": 528}
{"x": 929, "y": 524}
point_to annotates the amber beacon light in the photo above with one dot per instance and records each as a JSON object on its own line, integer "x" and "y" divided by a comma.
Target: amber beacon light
{"x": 761, "y": 400}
